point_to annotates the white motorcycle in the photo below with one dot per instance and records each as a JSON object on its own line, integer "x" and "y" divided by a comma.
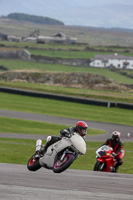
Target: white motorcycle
{"x": 60, "y": 155}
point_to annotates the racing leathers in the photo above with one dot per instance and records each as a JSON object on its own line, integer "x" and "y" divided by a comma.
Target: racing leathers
{"x": 64, "y": 132}
{"x": 52, "y": 139}
{"x": 117, "y": 148}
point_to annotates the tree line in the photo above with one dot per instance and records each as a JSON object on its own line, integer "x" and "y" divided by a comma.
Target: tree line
{"x": 34, "y": 18}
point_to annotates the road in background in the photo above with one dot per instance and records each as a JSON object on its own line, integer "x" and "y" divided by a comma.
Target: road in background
{"x": 108, "y": 127}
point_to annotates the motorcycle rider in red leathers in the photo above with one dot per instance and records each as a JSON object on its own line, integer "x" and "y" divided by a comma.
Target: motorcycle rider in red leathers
{"x": 80, "y": 128}
{"x": 117, "y": 146}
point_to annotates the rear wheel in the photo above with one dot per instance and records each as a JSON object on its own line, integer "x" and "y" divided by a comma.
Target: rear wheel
{"x": 98, "y": 166}
{"x": 33, "y": 164}
{"x": 61, "y": 166}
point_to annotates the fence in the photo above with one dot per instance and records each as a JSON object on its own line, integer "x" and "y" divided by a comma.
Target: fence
{"x": 66, "y": 98}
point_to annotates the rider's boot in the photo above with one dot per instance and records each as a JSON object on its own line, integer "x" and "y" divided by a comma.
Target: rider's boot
{"x": 115, "y": 168}
{"x": 40, "y": 152}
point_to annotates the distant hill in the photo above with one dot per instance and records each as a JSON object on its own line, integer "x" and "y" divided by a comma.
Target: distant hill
{"x": 34, "y": 18}
{"x": 88, "y": 35}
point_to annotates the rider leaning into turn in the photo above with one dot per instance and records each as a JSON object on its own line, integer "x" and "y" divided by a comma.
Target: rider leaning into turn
{"x": 117, "y": 146}
{"x": 80, "y": 128}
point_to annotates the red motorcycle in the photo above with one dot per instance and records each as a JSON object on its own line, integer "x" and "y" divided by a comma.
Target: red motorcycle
{"x": 105, "y": 161}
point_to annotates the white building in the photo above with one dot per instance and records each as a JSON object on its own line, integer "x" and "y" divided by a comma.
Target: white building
{"x": 118, "y": 61}
{"x": 58, "y": 38}
{"x": 29, "y": 39}
{"x": 12, "y": 38}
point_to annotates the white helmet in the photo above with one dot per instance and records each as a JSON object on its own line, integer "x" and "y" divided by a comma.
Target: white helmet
{"x": 116, "y": 135}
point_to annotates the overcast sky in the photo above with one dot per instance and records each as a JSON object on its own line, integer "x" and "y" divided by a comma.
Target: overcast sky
{"x": 96, "y": 13}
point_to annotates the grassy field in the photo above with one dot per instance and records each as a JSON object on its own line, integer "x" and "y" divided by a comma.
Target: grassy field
{"x": 126, "y": 50}
{"x": 88, "y": 35}
{"x": 106, "y": 95}
{"x": 27, "y": 65}
{"x": 111, "y": 96}
{"x": 46, "y": 46}
{"x": 69, "y": 51}
{"x": 65, "y": 109}
{"x": 20, "y": 150}
{"x": 11, "y": 125}
{"x": 71, "y": 54}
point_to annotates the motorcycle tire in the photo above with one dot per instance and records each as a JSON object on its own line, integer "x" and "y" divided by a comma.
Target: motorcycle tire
{"x": 97, "y": 166}
{"x": 33, "y": 165}
{"x": 62, "y": 166}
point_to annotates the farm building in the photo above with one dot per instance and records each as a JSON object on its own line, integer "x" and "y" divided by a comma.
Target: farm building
{"x": 29, "y": 39}
{"x": 58, "y": 38}
{"x": 3, "y": 36}
{"x": 117, "y": 61}
{"x": 12, "y": 38}
{"x": 14, "y": 53}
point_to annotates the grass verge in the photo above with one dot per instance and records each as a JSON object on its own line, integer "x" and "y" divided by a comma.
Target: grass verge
{"x": 11, "y": 125}
{"x": 65, "y": 109}
{"x": 18, "y": 151}
{"x": 112, "y": 96}
{"x": 31, "y": 65}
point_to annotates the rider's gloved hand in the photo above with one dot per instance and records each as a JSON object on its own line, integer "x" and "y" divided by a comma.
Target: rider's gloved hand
{"x": 114, "y": 155}
{"x": 65, "y": 133}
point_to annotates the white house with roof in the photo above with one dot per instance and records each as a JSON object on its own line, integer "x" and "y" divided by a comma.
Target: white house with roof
{"x": 118, "y": 61}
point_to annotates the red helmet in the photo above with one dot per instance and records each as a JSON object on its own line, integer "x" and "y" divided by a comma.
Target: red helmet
{"x": 81, "y": 128}
{"x": 116, "y": 135}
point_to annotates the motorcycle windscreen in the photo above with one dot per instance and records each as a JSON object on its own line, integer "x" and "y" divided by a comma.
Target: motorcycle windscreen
{"x": 102, "y": 153}
{"x": 79, "y": 143}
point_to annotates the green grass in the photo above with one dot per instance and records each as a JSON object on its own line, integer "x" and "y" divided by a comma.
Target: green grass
{"x": 66, "y": 54}
{"x": 16, "y": 150}
{"x": 11, "y": 125}
{"x": 43, "y": 46}
{"x": 71, "y": 53}
{"x": 126, "y": 50}
{"x": 65, "y": 109}
{"x": 29, "y": 65}
{"x": 111, "y": 96}
{"x": 19, "y": 151}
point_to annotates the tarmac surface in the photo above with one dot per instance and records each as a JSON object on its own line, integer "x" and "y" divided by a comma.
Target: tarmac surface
{"x": 108, "y": 127}
{"x": 16, "y": 182}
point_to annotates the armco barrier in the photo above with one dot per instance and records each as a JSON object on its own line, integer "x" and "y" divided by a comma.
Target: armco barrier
{"x": 57, "y": 97}
{"x": 125, "y": 105}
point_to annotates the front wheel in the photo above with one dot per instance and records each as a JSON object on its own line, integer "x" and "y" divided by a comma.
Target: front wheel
{"x": 33, "y": 164}
{"x": 98, "y": 166}
{"x": 61, "y": 166}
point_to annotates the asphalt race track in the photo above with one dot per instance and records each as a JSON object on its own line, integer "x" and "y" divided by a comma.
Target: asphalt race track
{"x": 17, "y": 183}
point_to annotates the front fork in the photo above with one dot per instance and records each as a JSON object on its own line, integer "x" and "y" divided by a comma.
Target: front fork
{"x": 67, "y": 152}
{"x": 102, "y": 166}
{"x": 63, "y": 156}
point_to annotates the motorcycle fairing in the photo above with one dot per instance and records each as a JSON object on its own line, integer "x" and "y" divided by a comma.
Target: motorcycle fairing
{"x": 49, "y": 157}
